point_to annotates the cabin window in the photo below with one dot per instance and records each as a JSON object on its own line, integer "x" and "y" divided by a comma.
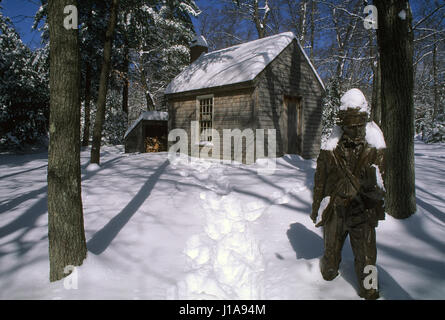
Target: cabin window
{"x": 205, "y": 116}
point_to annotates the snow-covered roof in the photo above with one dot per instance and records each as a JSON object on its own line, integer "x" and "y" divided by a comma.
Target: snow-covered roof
{"x": 147, "y": 115}
{"x": 233, "y": 65}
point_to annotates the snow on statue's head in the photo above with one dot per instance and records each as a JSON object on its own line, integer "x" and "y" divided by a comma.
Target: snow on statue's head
{"x": 354, "y": 99}
{"x": 354, "y": 109}
{"x": 353, "y": 114}
{"x": 354, "y": 124}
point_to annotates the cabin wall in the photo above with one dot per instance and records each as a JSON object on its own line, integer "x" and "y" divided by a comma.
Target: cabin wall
{"x": 290, "y": 75}
{"x": 233, "y": 109}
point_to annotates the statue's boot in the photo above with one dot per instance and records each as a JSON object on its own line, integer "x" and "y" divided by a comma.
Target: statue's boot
{"x": 328, "y": 270}
{"x": 363, "y": 243}
{"x": 370, "y": 294}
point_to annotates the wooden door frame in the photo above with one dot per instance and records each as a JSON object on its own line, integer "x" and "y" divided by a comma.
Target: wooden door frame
{"x": 299, "y": 121}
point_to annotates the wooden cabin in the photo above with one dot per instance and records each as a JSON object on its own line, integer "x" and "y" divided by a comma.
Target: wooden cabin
{"x": 264, "y": 84}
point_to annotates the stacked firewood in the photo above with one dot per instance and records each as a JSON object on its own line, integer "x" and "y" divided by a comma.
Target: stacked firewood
{"x": 154, "y": 144}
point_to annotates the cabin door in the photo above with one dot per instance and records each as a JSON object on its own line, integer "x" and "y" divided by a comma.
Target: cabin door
{"x": 293, "y": 124}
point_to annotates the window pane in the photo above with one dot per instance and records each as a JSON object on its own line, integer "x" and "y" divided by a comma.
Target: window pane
{"x": 205, "y": 116}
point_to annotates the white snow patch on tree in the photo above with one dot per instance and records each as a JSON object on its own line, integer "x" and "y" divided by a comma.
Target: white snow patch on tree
{"x": 402, "y": 14}
{"x": 93, "y": 167}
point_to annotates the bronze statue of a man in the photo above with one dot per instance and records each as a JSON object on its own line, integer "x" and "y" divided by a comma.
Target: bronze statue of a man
{"x": 348, "y": 196}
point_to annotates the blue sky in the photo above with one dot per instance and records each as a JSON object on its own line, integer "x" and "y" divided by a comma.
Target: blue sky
{"x": 22, "y": 12}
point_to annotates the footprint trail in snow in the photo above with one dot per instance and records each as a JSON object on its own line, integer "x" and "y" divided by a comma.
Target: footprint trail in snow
{"x": 224, "y": 261}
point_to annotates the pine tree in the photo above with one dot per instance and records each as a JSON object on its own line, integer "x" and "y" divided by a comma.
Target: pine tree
{"x": 24, "y": 94}
{"x": 158, "y": 35}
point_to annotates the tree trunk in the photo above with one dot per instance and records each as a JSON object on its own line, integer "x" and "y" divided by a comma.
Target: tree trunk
{"x": 376, "y": 105}
{"x": 125, "y": 97}
{"x": 88, "y": 71}
{"x": 125, "y": 88}
{"x": 150, "y": 102}
{"x": 103, "y": 84}
{"x": 395, "y": 41}
{"x": 86, "y": 127}
{"x": 259, "y": 24}
{"x": 126, "y": 84}
{"x": 376, "y": 111}
{"x": 436, "y": 109}
{"x": 66, "y": 233}
{"x": 313, "y": 9}
{"x": 302, "y": 22}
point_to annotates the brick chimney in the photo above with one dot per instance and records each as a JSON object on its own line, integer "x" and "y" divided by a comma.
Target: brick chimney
{"x": 198, "y": 46}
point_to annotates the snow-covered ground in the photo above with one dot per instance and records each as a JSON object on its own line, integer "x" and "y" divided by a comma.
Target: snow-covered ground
{"x": 174, "y": 230}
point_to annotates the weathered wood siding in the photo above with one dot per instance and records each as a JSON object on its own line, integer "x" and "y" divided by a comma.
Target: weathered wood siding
{"x": 134, "y": 141}
{"x": 290, "y": 75}
{"x": 232, "y": 109}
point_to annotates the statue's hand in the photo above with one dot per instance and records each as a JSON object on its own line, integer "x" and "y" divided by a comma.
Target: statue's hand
{"x": 314, "y": 215}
